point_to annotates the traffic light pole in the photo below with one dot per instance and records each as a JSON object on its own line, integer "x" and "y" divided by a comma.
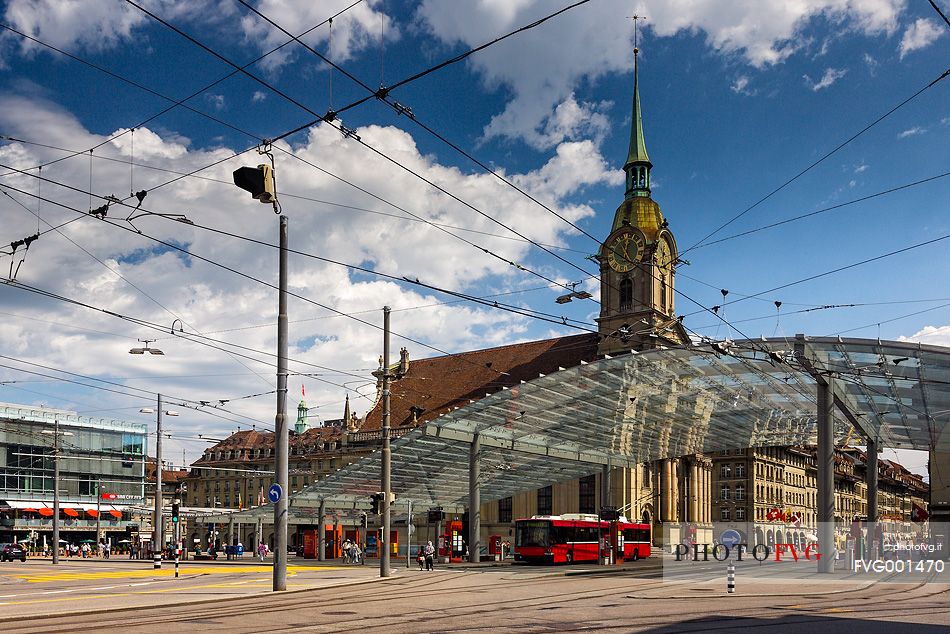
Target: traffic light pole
{"x": 384, "y": 568}
{"x": 281, "y": 442}
{"x": 177, "y": 545}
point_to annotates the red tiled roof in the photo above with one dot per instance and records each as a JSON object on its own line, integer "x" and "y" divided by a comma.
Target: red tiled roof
{"x": 439, "y": 384}
{"x": 253, "y": 439}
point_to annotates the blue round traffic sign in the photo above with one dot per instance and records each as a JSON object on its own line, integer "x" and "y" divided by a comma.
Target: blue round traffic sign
{"x": 730, "y": 538}
{"x": 275, "y": 493}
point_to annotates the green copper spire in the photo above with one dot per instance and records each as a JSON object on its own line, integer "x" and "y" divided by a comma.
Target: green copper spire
{"x": 638, "y": 162}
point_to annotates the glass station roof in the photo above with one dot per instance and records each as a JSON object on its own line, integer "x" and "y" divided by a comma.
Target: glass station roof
{"x": 662, "y": 403}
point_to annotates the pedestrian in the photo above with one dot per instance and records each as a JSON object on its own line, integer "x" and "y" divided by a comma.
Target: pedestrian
{"x": 85, "y": 551}
{"x": 356, "y": 553}
{"x": 106, "y": 550}
{"x": 429, "y": 552}
{"x": 421, "y": 557}
{"x": 261, "y": 550}
{"x": 347, "y": 551}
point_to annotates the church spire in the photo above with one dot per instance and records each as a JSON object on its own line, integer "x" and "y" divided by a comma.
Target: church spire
{"x": 637, "y": 166}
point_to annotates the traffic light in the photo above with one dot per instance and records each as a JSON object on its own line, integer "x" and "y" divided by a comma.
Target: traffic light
{"x": 363, "y": 521}
{"x": 176, "y": 509}
{"x": 375, "y": 500}
{"x": 257, "y": 180}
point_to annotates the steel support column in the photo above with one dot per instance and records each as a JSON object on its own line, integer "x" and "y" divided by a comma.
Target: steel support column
{"x": 322, "y": 532}
{"x": 873, "y": 449}
{"x": 474, "y": 499}
{"x": 826, "y": 474}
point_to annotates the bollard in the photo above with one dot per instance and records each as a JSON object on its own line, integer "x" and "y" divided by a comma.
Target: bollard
{"x": 731, "y": 578}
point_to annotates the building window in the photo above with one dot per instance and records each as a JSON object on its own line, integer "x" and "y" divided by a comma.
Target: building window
{"x": 724, "y": 492}
{"x": 545, "y": 500}
{"x": 588, "y": 491}
{"x": 724, "y": 513}
{"x": 740, "y": 492}
{"x": 504, "y": 510}
{"x": 725, "y": 471}
{"x": 647, "y": 481}
{"x": 626, "y": 294}
{"x": 740, "y": 513}
{"x": 740, "y": 470}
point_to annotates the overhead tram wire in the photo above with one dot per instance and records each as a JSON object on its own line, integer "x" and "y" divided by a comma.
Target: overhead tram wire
{"x": 559, "y": 321}
{"x": 329, "y": 121}
{"x": 400, "y": 83}
{"x": 285, "y": 194}
{"x": 821, "y": 211}
{"x": 818, "y": 161}
{"x": 132, "y": 284}
{"x": 840, "y": 268}
{"x": 175, "y": 103}
{"x": 267, "y": 85}
{"x": 324, "y": 118}
{"x": 402, "y": 279}
{"x": 383, "y": 94}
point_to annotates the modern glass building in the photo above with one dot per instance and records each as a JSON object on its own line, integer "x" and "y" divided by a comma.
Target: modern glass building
{"x": 101, "y": 475}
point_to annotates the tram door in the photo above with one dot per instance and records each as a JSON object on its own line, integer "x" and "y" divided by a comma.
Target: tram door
{"x": 618, "y": 547}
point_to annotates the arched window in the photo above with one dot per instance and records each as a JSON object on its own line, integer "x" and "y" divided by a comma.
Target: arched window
{"x": 663, "y": 293}
{"x": 626, "y": 294}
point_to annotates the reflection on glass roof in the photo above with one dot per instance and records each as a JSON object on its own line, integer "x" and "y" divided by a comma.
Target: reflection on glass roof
{"x": 662, "y": 403}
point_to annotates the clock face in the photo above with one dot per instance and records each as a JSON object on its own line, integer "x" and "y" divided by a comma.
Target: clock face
{"x": 664, "y": 254}
{"x": 624, "y": 251}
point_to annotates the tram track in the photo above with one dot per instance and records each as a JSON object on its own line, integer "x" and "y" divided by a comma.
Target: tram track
{"x": 408, "y": 590}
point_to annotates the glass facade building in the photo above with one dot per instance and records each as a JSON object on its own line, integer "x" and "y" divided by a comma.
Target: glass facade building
{"x": 101, "y": 474}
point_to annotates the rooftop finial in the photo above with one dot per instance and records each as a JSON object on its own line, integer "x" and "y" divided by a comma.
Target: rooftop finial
{"x": 636, "y": 28}
{"x": 637, "y": 165}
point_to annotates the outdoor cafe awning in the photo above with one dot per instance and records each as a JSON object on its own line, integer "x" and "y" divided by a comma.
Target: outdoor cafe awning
{"x": 639, "y": 407}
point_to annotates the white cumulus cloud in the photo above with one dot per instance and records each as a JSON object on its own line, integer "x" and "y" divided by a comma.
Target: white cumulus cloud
{"x": 542, "y": 67}
{"x": 830, "y": 77}
{"x": 918, "y": 35}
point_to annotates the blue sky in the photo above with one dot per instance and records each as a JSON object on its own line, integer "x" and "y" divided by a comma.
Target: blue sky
{"x": 737, "y": 99}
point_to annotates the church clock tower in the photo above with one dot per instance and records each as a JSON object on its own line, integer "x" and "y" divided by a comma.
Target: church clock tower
{"x": 637, "y": 260}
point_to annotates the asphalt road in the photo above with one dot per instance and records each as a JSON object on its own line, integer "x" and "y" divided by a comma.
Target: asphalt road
{"x": 507, "y": 599}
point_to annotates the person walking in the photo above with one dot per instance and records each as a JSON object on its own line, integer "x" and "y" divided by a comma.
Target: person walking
{"x": 106, "y": 549}
{"x": 347, "y": 551}
{"x": 429, "y": 552}
{"x": 261, "y": 550}
{"x": 357, "y": 554}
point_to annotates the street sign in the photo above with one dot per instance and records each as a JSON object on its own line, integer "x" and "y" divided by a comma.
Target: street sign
{"x": 730, "y": 538}
{"x": 275, "y": 493}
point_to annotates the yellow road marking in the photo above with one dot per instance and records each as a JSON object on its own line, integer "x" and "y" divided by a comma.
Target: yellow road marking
{"x": 142, "y": 593}
{"x": 39, "y": 577}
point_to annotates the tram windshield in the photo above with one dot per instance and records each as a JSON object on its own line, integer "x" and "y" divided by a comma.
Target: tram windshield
{"x": 533, "y": 533}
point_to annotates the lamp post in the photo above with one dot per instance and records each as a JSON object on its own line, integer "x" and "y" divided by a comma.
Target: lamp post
{"x": 56, "y": 434}
{"x": 157, "y": 522}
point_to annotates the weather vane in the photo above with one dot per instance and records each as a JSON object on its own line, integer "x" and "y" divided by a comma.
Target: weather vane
{"x": 636, "y": 27}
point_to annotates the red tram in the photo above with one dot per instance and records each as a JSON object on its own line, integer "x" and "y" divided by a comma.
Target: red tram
{"x": 569, "y": 538}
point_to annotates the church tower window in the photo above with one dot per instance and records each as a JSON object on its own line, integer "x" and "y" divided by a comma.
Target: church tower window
{"x": 626, "y": 294}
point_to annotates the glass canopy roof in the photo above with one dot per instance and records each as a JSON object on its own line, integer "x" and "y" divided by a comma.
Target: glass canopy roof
{"x": 639, "y": 407}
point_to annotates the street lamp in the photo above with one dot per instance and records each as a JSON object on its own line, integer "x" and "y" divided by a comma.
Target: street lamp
{"x": 145, "y": 349}
{"x": 56, "y": 435}
{"x": 157, "y": 523}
